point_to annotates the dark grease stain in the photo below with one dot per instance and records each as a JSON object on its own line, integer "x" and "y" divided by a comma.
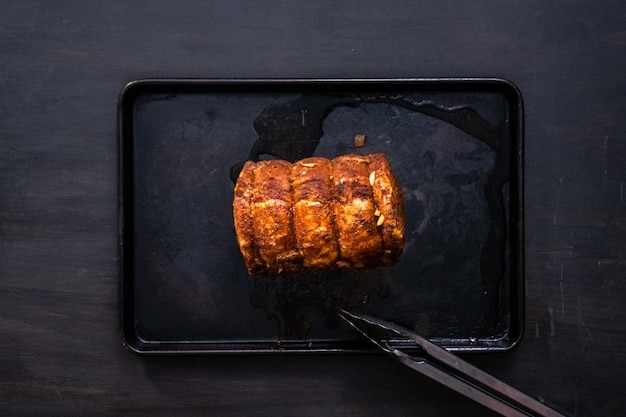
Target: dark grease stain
{"x": 292, "y": 130}
{"x": 287, "y": 298}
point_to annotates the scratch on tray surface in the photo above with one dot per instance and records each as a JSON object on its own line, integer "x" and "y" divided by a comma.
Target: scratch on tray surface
{"x": 582, "y": 326}
{"x": 561, "y": 290}
{"x": 558, "y": 202}
{"x": 180, "y": 164}
{"x": 552, "y": 327}
{"x": 551, "y": 264}
{"x": 607, "y": 263}
{"x": 604, "y": 169}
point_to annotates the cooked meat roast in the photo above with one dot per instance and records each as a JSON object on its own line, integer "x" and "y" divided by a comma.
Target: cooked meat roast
{"x": 318, "y": 214}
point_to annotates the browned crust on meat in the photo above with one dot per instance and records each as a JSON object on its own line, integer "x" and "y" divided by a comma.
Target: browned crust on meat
{"x": 272, "y": 220}
{"x": 313, "y": 213}
{"x": 242, "y": 213}
{"x": 360, "y": 243}
{"x": 388, "y": 199}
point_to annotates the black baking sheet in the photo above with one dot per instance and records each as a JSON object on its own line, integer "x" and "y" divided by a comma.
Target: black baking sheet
{"x": 454, "y": 144}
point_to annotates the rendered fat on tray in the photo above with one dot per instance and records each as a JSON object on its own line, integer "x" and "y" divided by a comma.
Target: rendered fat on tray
{"x": 318, "y": 214}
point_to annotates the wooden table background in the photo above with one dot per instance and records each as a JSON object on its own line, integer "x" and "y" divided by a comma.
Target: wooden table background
{"x": 62, "y": 65}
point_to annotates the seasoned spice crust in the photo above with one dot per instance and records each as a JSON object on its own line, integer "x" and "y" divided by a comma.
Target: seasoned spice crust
{"x": 318, "y": 214}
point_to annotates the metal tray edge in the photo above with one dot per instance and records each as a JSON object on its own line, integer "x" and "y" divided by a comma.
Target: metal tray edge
{"x": 124, "y": 252}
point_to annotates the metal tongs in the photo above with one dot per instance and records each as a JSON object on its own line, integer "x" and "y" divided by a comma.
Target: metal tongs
{"x": 437, "y": 363}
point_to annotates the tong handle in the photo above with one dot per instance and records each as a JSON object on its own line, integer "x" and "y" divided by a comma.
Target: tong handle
{"x": 448, "y": 369}
{"x": 510, "y": 402}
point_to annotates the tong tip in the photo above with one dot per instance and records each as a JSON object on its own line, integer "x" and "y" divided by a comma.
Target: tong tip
{"x": 368, "y": 327}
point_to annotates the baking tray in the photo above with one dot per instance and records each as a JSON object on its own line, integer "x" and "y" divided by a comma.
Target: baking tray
{"x": 454, "y": 144}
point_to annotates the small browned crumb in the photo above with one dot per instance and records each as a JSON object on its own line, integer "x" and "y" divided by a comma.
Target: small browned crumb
{"x": 359, "y": 141}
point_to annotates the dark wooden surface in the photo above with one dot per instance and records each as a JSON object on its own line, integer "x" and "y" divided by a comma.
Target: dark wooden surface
{"x": 62, "y": 65}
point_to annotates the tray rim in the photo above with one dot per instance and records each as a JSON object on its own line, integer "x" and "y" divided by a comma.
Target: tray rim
{"x": 134, "y": 88}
